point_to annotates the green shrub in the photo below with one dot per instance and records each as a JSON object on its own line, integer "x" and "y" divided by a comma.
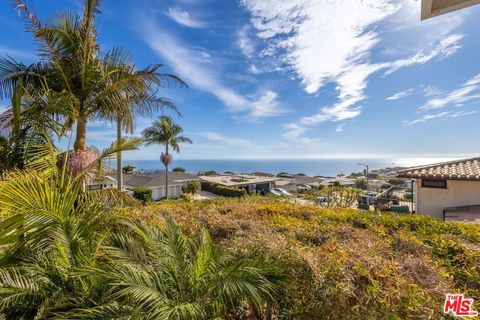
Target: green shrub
{"x": 223, "y": 191}
{"x": 142, "y": 194}
{"x": 396, "y": 181}
{"x": 408, "y": 196}
{"x": 179, "y": 169}
{"x": 192, "y": 187}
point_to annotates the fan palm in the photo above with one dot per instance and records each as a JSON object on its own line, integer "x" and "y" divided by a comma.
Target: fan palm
{"x": 51, "y": 229}
{"x": 159, "y": 273}
{"x": 168, "y": 133}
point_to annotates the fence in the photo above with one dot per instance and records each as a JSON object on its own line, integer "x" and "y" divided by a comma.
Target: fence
{"x": 396, "y": 199}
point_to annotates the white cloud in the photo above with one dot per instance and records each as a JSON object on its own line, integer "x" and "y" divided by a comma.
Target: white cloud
{"x": 441, "y": 115}
{"x": 328, "y": 41}
{"x": 468, "y": 91}
{"x": 340, "y": 127}
{"x": 244, "y": 42}
{"x": 401, "y": 94}
{"x": 444, "y": 48}
{"x": 204, "y": 74}
{"x": 216, "y": 137}
{"x": 184, "y": 18}
{"x": 254, "y": 69}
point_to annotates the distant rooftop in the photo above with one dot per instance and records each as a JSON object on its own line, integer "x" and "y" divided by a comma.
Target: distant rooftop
{"x": 237, "y": 179}
{"x": 466, "y": 169}
{"x": 157, "y": 179}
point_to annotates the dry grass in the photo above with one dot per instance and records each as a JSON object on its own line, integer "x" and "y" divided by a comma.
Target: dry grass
{"x": 342, "y": 263}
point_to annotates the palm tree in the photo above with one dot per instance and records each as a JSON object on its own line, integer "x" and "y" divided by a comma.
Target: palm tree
{"x": 166, "y": 132}
{"x": 50, "y": 232}
{"x": 103, "y": 86}
{"x": 160, "y": 273}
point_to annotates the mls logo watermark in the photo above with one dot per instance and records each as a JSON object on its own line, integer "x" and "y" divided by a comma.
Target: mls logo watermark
{"x": 459, "y": 306}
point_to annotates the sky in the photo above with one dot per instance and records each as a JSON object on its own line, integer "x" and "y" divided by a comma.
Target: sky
{"x": 294, "y": 78}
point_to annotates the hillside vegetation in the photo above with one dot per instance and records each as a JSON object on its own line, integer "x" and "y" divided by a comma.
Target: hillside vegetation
{"x": 341, "y": 263}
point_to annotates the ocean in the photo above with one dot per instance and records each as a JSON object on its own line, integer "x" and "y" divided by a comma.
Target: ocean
{"x": 310, "y": 167}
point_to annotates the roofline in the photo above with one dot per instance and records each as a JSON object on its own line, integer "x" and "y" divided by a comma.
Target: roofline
{"x": 436, "y": 164}
{"x": 433, "y": 177}
{"x": 428, "y": 10}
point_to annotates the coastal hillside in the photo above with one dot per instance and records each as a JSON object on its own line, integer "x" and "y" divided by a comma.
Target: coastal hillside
{"x": 341, "y": 263}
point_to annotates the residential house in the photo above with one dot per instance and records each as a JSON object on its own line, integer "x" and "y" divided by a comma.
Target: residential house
{"x": 156, "y": 182}
{"x": 252, "y": 184}
{"x": 291, "y": 184}
{"x": 448, "y": 190}
{"x": 105, "y": 183}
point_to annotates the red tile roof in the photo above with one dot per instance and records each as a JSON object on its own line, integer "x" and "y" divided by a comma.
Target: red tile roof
{"x": 467, "y": 169}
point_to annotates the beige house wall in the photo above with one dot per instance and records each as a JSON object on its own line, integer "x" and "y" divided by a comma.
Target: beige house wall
{"x": 432, "y": 201}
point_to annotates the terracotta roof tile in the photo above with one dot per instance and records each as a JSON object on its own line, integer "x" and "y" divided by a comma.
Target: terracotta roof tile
{"x": 467, "y": 169}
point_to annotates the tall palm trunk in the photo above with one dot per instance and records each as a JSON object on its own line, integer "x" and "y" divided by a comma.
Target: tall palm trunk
{"x": 166, "y": 173}
{"x": 81, "y": 135}
{"x": 119, "y": 156}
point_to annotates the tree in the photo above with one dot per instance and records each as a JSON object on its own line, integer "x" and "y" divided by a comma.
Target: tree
{"x": 179, "y": 169}
{"x": 92, "y": 84}
{"x": 361, "y": 184}
{"x": 338, "y": 197}
{"x": 192, "y": 187}
{"x": 128, "y": 169}
{"x": 166, "y": 132}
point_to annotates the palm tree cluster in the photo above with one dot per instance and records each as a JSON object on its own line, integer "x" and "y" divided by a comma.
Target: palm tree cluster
{"x": 69, "y": 254}
{"x": 74, "y": 82}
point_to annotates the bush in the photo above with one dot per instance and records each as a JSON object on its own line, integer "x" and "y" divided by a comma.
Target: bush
{"x": 363, "y": 206}
{"x": 179, "y": 169}
{"x": 396, "y": 181}
{"x": 361, "y": 184}
{"x": 223, "y": 191}
{"x": 342, "y": 263}
{"x": 192, "y": 187}
{"x": 142, "y": 194}
{"x": 408, "y": 196}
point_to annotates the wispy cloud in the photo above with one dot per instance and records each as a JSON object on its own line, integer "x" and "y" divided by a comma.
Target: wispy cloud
{"x": 401, "y": 94}
{"x": 216, "y": 137}
{"x": 340, "y": 127}
{"x": 297, "y": 31}
{"x": 204, "y": 74}
{"x": 469, "y": 91}
{"x": 184, "y": 18}
{"x": 439, "y": 115}
{"x": 244, "y": 42}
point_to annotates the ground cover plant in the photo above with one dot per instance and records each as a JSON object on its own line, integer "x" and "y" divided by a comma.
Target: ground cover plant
{"x": 342, "y": 263}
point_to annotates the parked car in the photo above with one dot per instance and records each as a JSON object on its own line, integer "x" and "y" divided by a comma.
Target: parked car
{"x": 304, "y": 187}
{"x": 322, "y": 199}
{"x": 281, "y": 191}
{"x": 275, "y": 192}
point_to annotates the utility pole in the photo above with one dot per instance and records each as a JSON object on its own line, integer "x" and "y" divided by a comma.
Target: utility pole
{"x": 366, "y": 166}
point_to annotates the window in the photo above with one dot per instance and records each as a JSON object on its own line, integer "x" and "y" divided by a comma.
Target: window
{"x": 440, "y": 184}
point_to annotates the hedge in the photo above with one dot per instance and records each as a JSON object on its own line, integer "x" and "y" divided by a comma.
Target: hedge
{"x": 223, "y": 191}
{"x": 142, "y": 194}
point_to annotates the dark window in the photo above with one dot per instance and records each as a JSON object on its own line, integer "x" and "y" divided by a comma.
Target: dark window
{"x": 441, "y": 184}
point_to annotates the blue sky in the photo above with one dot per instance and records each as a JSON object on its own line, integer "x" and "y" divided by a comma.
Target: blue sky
{"x": 296, "y": 78}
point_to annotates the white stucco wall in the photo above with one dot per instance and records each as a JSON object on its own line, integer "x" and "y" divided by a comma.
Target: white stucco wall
{"x": 158, "y": 193}
{"x": 432, "y": 201}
